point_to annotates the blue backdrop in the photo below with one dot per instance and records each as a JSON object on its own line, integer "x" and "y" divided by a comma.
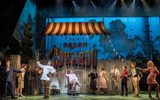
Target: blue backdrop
{"x": 130, "y": 37}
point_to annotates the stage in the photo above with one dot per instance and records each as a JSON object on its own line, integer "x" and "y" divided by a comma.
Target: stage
{"x": 143, "y": 96}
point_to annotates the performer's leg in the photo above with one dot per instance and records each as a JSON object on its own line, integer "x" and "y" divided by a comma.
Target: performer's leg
{"x": 74, "y": 82}
{"x": 12, "y": 89}
{"x": 6, "y": 85}
{"x": 149, "y": 90}
{"x": 136, "y": 86}
{"x": 113, "y": 86}
{"x": 122, "y": 86}
{"x": 46, "y": 89}
{"x": 126, "y": 88}
{"x": 20, "y": 91}
{"x": 157, "y": 90}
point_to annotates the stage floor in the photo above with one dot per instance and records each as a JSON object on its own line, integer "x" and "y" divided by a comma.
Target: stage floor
{"x": 88, "y": 97}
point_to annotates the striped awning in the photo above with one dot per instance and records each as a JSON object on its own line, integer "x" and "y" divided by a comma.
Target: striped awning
{"x": 73, "y": 28}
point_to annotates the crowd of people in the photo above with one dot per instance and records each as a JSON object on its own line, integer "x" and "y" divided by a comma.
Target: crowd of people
{"x": 100, "y": 80}
{"x": 29, "y": 79}
{"x": 24, "y": 80}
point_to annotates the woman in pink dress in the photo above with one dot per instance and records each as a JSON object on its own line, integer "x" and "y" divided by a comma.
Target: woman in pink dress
{"x": 102, "y": 80}
{"x": 151, "y": 79}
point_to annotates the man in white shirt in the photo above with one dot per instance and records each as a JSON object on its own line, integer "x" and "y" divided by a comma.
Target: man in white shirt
{"x": 114, "y": 75}
{"x": 47, "y": 69}
{"x": 73, "y": 79}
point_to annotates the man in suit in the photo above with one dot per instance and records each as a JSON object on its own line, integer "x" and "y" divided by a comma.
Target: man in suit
{"x": 9, "y": 79}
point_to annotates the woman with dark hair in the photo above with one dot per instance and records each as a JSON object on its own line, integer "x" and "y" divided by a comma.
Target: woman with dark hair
{"x": 124, "y": 79}
{"x": 93, "y": 83}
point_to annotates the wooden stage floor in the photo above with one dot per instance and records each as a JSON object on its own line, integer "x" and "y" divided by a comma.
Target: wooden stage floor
{"x": 143, "y": 96}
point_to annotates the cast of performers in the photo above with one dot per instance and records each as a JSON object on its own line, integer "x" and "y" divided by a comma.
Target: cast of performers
{"x": 9, "y": 80}
{"x": 124, "y": 79}
{"x": 102, "y": 84}
{"x": 114, "y": 76}
{"x": 93, "y": 81}
{"x": 72, "y": 80}
{"x": 47, "y": 71}
{"x": 135, "y": 74}
{"x": 151, "y": 79}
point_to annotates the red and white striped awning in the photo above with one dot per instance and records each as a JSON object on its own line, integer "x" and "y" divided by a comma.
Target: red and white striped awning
{"x": 75, "y": 28}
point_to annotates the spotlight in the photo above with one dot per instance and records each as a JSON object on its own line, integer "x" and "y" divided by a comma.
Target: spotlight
{"x": 132, "y": 6}
{"x": 122, "y": 0}
{"x": 146, "y": 6}
{"x": 113, "y": 6}
{"x": 76, "y": 7}
{"x": 92, "y": 3}
{"x": 75, "y": 4}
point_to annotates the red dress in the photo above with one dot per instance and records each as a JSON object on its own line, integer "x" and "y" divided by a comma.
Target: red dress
{"x": 153, "y": 72}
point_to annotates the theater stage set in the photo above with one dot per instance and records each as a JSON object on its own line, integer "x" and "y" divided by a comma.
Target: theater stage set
{"x": 98, "y": 32}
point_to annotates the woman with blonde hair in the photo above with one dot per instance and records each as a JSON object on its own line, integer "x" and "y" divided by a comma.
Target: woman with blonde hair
{"x": 21, "y": 80}
{"x": 151, "y": 79}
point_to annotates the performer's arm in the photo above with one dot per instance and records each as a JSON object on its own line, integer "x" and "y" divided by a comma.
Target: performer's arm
{"x": 40, "y": 65}
{"x": 67, "y": 74}
{"x": 156, "y": 70}
{"x": 53, "y": 70}
{"x": 146, "y": 69}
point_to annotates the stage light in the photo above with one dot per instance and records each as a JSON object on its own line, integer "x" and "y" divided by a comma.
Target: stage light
{"x": 123, "y": 6}
{"x": 132, "y": 6}
{"x": 92, "y": 3}
{"x": 146, "y": 6}
{"x": 76, "y": 7}
{"x": 122, "y": 0}
{"x": 112, "y": 7}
